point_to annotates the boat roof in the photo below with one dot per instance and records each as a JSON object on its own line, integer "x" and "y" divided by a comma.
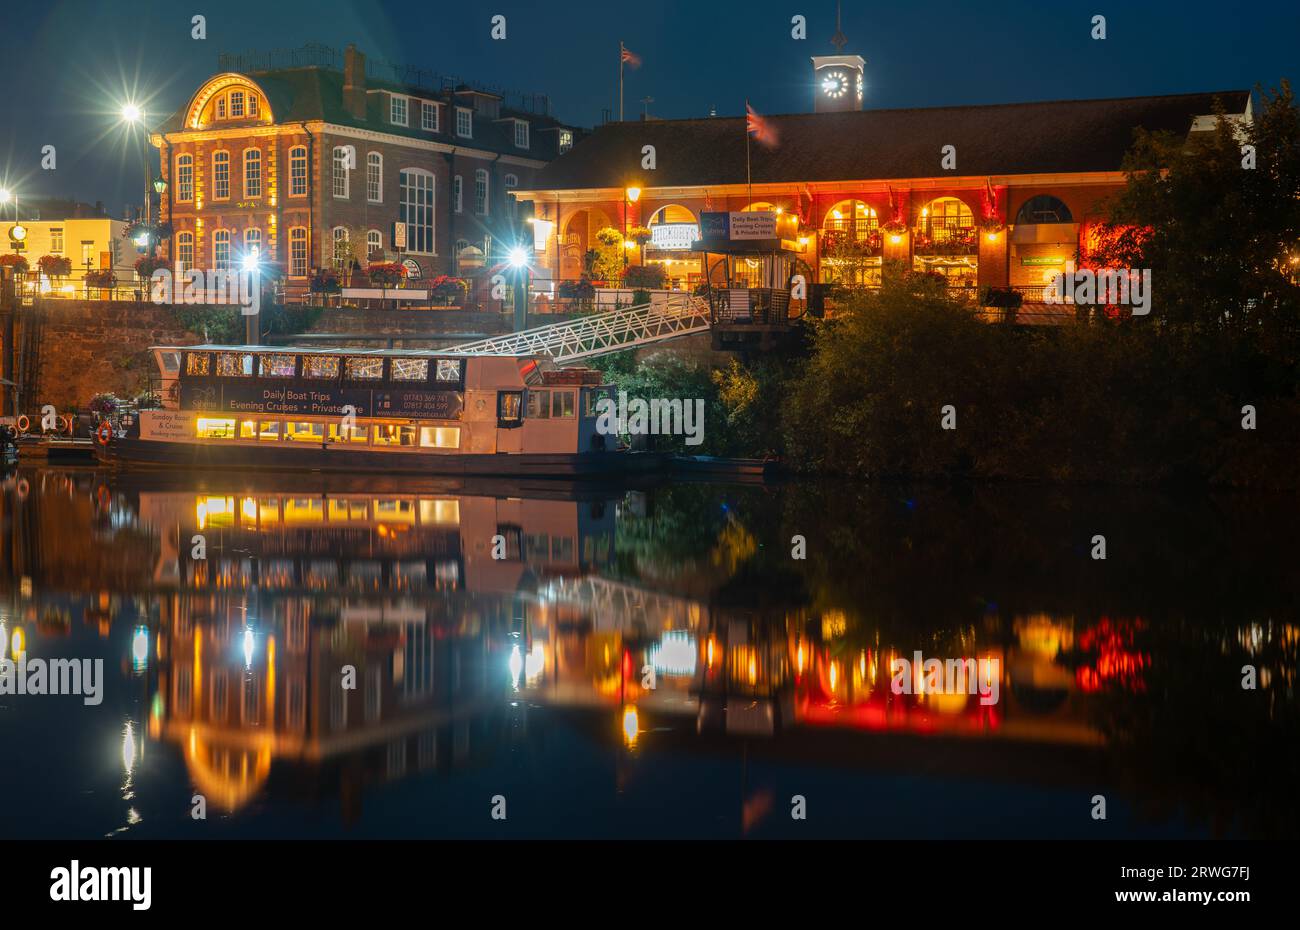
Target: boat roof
{"x": 322, "y": 350}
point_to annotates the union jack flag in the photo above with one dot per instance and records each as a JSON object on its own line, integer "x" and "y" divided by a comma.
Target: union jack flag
{"x": 762, "y": 130}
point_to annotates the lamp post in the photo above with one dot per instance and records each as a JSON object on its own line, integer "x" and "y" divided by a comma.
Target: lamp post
{"x": 630, "y": 196}
{"x": 518, "y": 261}
{"x": 131, "y": 115}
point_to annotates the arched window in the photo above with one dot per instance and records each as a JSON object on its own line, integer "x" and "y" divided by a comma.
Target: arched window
{"x": 1044, "y": 209}
{"x": 853, "y": 219}
{"x": 374, "y": 244}
{"x": 374, "y": 177}
{"x": 220, "y": 175}
{"x": 185, "y": 179}
{"x": 945, "y": 218}
{"x": 298, "y": 251}
{"x": 252, "y": 172}
{"x": 416, "y": 209}
{"x": 481, "y": 192}
{"x": 298, "y": 171}
{"x": 672, "y": 228}
{"x": 342, "y": 162}
{"x": 252, "y": 242}
{"x": 184, "y": 252}
{"x": 221, "y": 249}
{"x": 341, "y": 255}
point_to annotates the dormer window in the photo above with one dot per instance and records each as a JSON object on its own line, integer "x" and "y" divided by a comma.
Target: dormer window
{"x": 237, "y": 104}
{"x": 566, "y": 139}
{"x": 397, "y": 111}
{"x": 521, "y": 134}
{"x": 429, "y": 117}
{"x": 221, "y": 108}
{"x": 465, "y": 122}
{"x": 252, "y": 105}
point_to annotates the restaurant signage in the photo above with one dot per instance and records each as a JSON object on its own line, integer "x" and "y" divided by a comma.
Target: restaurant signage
{"x": 736, "y": 226}
{"x": 1041, "y": 260}
{"x": 321, "y": 401}
{"x": 673, "y": 236}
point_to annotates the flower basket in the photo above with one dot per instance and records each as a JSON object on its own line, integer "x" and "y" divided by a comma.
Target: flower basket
{"x": 146, "y": 265}
{"x": 17, "y": 262}
{"x": 55, "y": 266}
{"x": 386, "y": 274}
{"x": 450, "y": 290}
{"x": 104, "y": 278}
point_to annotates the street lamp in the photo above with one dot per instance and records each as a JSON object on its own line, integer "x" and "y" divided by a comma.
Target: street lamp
{"x": 131, "y": 115}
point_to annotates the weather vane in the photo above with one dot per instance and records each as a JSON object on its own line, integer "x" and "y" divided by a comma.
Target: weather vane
{"x": 839, "y": 40}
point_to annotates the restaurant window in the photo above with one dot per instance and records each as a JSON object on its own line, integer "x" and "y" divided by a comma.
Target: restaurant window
{"x": 561, "y": 403}
{"x": 298, "y": 171}
{"x": 277, "y": 366}
{"x": 363, "y": 368}
{"x": 298, "y": 252}
{"x": 410, "y": 369}
{"x": 429, "y": 117}
{"x": 215, "y": 428}
{"x": 416, "y": 210}
{"x": 440, "y": 437}
{"x": 320, "y": 366}
{"x": 220, "y": 175}
{"x": 1044, "y": 209}
{"x": 348, "y": 434}
{"x": 374, "y": 177}
{"x": 389, "y": 434}
{"x": 448, "y": 369}
{"x": 397, "y": 111}
{"x": 341, "y": 172}
{"x": 221, "y": 249}
{"x": 184, "y": 252}
{"x": 539, "y": 405}
{"x": 234, "y": 365}
{"x": 198, "y": 363}
{"x": 184, "y": 178}
{"x": 304, "y": 432}
{"x": 946, "y": 242}
{"x": 481, "y": 192}
{"x": 252, "y": 172}
{"x": 253, "y": 242}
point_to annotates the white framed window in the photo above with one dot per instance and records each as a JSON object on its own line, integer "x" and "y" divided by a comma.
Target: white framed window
{"x": 374, "y": 177}
{"x": 298, "y": 251}
{"x": 481, "y": 192}
{"x": 566, "y": 140}
{"x": 220, "y": 175}
{"x": 298, "y": 171}
{"x": 184, "y": 252}
{"x": 341, "y": 172}
{"x": 252, "y": 241}
{"x": 184, "y": 178}
{"x": 429, "y": 116}
{"x": 252, "y": 105}
{"x": 397, "y": 110}
{"x": 236, "y": 104}
{"x": 221, "y": 108}
{"x": 56, "y": 240}
{"x": 465, "y": 122}
{"x": 341, "y": 254}
{"x": 521, "y": 134}
{"x": 374, "y": 243}
{"x": 252, "y": 172}
{"x": 221, "y": 249}
{"x": 416, "y": 210}
{"x": 458, "y": 194}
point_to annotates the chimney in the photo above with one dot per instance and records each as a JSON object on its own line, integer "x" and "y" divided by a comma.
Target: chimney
{"x": 354, "y": 82}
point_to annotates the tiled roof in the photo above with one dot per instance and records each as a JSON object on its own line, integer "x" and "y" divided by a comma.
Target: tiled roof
{"x": 1018, "y": 138}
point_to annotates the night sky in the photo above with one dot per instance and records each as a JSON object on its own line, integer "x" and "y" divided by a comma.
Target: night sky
{"x": 68, "y": 65}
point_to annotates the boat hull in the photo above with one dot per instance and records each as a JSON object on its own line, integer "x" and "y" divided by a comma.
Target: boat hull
{"x": 140, "y": 454}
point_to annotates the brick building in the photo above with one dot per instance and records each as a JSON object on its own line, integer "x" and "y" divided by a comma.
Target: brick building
{"x": 293, "y": 163}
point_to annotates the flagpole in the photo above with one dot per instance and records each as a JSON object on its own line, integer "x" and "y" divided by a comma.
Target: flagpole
{"x": 749, "y": 185}
{"x": 620, "y": 81}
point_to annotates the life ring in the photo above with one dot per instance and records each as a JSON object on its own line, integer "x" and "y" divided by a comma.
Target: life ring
{"x": 104, "y": 433}
{"x": 67, "y": 423}
{"x": 24, "y": 423}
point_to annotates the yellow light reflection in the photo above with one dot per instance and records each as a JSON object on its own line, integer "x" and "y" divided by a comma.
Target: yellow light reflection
{"x": 631, "y": 725}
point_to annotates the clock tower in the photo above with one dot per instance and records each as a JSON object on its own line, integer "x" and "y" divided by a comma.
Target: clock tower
{"x": 837, "y": 79}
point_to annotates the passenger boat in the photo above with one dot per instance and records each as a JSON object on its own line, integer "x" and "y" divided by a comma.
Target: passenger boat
{"x": 359, "y": 410}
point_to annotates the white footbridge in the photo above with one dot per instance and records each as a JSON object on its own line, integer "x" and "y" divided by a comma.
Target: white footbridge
{"x": 600, "y": 333}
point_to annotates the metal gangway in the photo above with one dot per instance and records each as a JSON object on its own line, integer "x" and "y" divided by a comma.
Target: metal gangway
{"x": 601, "y": 333}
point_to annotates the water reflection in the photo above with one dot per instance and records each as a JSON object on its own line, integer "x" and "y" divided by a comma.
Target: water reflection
{"x": 650, "y": 660}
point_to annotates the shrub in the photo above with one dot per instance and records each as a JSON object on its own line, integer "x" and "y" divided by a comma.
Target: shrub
{"x": 644, "y": 276}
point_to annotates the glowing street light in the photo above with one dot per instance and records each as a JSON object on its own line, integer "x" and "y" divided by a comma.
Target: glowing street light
{"x": 132, "y": 113}
{"x": 634, "y": 194}
{"x": 517, "y": 257}
{"x": 5, "y": 195}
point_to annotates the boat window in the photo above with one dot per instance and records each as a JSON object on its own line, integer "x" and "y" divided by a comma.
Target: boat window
{"x": 591, "y": 402}
{"x": 561, "y": 403}
{"x": 509, "y": 407}
{"x": 198, "y": 363}
{"x": 278, "y": 366}
{"x": 210, "y": 428}
{"x": 448, "y": 369}
{"x": 349, "y": 434}
{"x": 394, "y": 511}
{"x": 364, "y": 368}
{"x": 440, "y": 437}
{"x": 320, "y": 366}
{"x": 393, "y": 435}
{"x": 304, "y": 510}
{"x": 304, "y": 432}
{"x": 247, "y": 429}
{"x": 269, "y": 429}
{"x": 234, "y": 365}
{"x": 349, "y": 510}
{"x": 171, "y": 361}
{"x": 562, "y": 549}
{"x": 539, "y": 405}
{"x": 441, "y": 512}
{"x": 410, "y": 369}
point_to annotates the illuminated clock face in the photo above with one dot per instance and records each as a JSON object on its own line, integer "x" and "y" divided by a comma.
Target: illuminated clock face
{"x": 859, "y": 88}
{"x": 835, "y": 84}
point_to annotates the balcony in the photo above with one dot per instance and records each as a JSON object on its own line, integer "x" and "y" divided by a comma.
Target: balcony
{"x": 852, "y": 238}
{"x": 937, "y": 239}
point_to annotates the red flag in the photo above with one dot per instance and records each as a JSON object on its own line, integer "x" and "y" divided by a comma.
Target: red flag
{"x": 627, "y": 57}
{"x": 764, "y": 132}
